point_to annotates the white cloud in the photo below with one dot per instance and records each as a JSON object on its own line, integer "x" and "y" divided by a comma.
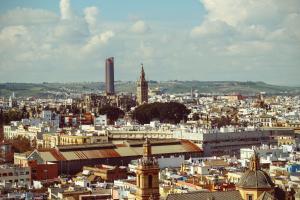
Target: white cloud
{"x": 65, "y": 9}
{"x": 139, "y": 27}
{"x": 250, "y": 17}
{"x": 74, "y": 31}
{"x": 46, "y": 43}
{"x": 27, "y": 16}
{"x": 146, "y": 50}
{"x": 231, "y": 12}
{"x": 249, "y": 48}
{"x": 248, "y": 26}
{"x": 237, "y": 12}
{"x": 292, "y": 25}
{"x": 234, "y": 36}
{"x": 253, "y": 32}
{"x": 212, "y": 29}
{"x": 98, "y": 40}
{"x": 90, "y": 16}
{"x": 13, "y": 34}
{"x": 260, "y": 36}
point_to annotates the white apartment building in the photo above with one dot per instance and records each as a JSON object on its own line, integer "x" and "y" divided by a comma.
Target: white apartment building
{"x": 264, "y": 152}
{"x": 229, "y": 143}
{"x": 101, "y": 120}
{"x": 31, "y": 132}
{"x": 14, "y": 176}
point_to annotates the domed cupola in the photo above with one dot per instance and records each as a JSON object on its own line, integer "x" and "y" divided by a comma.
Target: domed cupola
{"x": 254, "y": 181}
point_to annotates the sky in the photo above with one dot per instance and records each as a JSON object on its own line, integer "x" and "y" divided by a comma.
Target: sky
{"x": 204, "y": 40}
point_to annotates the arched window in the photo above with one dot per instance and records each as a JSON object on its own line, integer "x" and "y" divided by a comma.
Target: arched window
{"x": 150, "y": 181}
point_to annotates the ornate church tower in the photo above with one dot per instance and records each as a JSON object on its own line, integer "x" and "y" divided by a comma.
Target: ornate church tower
{"x": 142, "y": 88}
{"x": 147, "y": 180}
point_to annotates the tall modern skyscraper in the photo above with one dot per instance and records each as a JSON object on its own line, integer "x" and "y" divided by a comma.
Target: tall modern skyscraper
{"x": 142, "y": 88}
{"x": 109, "y": 76}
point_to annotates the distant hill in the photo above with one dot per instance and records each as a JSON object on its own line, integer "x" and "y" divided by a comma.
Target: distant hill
{"x": 226, "y": 87}
{"x": 215, "y": 87}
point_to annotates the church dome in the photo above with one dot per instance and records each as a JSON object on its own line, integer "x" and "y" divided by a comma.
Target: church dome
{"x": 255, "y": 178}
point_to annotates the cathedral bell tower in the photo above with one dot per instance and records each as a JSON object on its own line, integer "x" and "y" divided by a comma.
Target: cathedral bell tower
{"x": 147, "y": 180}
{"x": 142, "y": 88}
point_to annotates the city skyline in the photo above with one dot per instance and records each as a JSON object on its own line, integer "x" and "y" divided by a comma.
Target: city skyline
{"x": 68, "y": 40}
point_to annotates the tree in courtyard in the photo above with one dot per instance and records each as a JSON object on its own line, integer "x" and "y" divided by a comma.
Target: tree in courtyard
{"x": 170, "y": 112}
{"x": 112, "y": 113}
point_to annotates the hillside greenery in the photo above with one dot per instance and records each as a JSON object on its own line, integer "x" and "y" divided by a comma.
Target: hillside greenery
{"x": 216, "y": 87}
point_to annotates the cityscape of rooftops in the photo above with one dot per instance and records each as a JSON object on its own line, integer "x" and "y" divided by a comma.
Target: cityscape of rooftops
{"x": 140, "y": 100}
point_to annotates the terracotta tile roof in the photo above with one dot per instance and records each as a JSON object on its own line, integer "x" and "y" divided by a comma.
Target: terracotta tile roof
{"x": 56, "y": 154}
{"x": 90, "y": 154}
{"x": 51, "y": 154}
{"x": 190, "y": 146}
{"x": 95, "y": 151}
{"x": 121, "y": 145}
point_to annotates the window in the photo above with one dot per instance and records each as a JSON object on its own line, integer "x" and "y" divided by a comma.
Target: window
{"x": 249, "y": 196}
{"x": 150, "y": 181}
